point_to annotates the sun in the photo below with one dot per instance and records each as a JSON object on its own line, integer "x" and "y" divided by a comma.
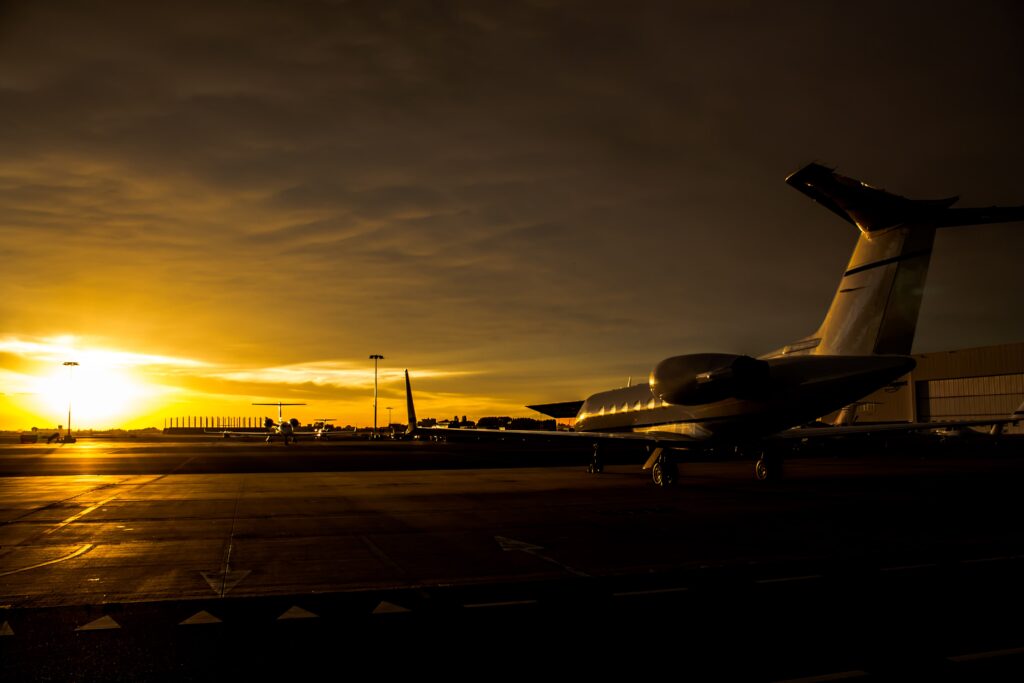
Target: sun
{"x": 98, "y": 391}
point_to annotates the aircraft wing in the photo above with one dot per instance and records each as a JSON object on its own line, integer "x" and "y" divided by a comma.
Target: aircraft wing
{"x": 843, "y": 430}
{"x": 652, "y": 438}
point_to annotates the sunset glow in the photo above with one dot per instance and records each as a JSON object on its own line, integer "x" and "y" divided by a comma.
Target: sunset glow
{"x": 112, "y": 388}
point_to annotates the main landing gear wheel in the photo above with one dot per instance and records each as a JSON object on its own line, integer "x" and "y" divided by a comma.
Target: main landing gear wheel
{"x": 664, "y": 472}
{"x": 768, "y": 468}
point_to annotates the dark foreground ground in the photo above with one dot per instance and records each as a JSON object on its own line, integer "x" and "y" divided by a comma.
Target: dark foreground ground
{"x": 203, "y": 561}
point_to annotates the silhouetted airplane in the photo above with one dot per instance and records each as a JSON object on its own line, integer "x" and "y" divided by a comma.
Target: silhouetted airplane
{"x": 716, "y": 400}
{"x": 322, "y": 428}
{"x": 286, "y": 429}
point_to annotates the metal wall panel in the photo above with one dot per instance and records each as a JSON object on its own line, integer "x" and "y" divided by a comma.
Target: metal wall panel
{"x": 964, "y": 384}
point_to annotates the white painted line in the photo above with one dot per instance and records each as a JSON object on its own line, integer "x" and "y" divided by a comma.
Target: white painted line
{"x": 806, "y": 577}
{"x": 908, "y": 567}
{"x": 84, "y": 549}
{"x": 510, "y": 544}
{"x": 296, "y": 612}
{"x": 987, "y": 655}
{"x": 101, "y": 624}
{"x": 6, "y": 629}
{"x": 984, "y": 559}
{"x": 81, "y": 514}
{"x": 507, "y": 603}
{"x": 656, "y": 591}
{"x": 201, "y": 617}
{"x": 838, "y": 676}
{"x": 223, "y": 582}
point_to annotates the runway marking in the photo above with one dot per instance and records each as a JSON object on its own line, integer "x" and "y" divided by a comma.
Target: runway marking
{"x": 991, "y": 654}
{"x": 807, "y": 577}
{"x": 908, "y": 567}
{"x": 385, "y": 607}
{"x": 6, "y": 630}
{"x": 63, "y": 500}
{"x": 296, "y": 612}
{"x": 655, "y": 591}
{"x": 225, "y": 575}
{"x": 507, "y": 603}
{"x": 201, "y": 617}
{"x": 81, "y": 551}
{"x": 510, "y": 544}
{"x": 223, "y": 581}
{"x": 380, "y": 554}
{"x": 838, "y": 676}
{"x": 102, "y": 624}
{"x": 81, "y": 514}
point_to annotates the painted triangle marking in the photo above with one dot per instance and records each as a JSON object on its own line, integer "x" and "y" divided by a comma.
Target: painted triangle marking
{"x": 223, "y": 582}
{"x": 6, "y": 630}
{"x": 509, "y": 544}
{"x": 386, "y": 607}
{"x": 200, "y": 617}
{"x": 296, "y": 612}
{"x": 105, "y": 622}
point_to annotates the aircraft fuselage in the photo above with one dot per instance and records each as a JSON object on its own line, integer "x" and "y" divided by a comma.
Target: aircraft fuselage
{"x": 795, "y": 390}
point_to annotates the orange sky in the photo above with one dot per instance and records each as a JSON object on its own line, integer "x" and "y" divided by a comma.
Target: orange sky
{"x": 209, "y": 204}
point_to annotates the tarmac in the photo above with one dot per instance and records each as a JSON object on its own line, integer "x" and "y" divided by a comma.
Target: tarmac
{"x": 205, "y": 559}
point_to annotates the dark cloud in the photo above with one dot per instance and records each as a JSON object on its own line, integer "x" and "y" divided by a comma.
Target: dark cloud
{"x": 548, "y": 190}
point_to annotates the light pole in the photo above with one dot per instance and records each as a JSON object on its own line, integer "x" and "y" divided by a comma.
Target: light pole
{"x": 70, "y": 364}
{"x": 375, "y": 357}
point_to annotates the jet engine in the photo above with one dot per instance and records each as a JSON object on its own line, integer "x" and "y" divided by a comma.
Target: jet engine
{"x": 700, "y": 378}
{"x": 268, "y": 422}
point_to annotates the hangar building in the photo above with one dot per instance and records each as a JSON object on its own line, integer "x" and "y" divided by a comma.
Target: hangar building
{"x": 965, "y": 384}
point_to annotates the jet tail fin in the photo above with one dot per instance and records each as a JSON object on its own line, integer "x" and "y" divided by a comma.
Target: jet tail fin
{"x": 409, "y": 407}
{"x": 876, "y": 306}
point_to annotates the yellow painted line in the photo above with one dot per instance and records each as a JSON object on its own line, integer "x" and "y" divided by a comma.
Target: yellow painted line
{"x": 987, "y": 655}
{"x": 81, "y": 514}
{"x": 81, "y": 551}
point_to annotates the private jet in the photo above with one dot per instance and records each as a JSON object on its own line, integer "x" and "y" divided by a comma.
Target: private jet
{"x": 322, "y": 428}
{"x": 287, "y": 430}
{"x": 729, "y": 402}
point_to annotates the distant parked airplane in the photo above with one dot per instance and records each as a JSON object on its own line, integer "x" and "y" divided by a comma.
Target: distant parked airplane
{"x": 720, "y": 400}
{"x": 322, "y": 428}
{"x": 286, "y": 429}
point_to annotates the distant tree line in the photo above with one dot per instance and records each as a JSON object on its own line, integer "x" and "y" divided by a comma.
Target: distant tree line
{"x": 524, "y": 423}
